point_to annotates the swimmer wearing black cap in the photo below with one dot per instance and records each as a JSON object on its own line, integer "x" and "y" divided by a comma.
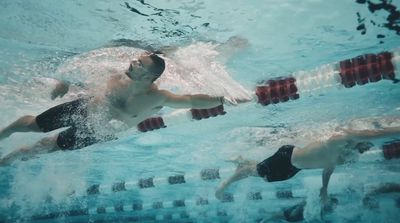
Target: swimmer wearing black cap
{"x": 344, "y": 147}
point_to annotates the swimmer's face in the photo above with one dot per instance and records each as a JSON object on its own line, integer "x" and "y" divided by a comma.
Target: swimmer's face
{"x": 147, "y": 68}
{"x": 139, "y": 69}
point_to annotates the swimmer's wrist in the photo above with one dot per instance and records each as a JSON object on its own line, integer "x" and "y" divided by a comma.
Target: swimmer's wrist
{"x": 222, "y": 100}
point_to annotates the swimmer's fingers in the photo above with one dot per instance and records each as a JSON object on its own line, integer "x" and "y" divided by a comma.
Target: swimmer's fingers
{"x": 219, "y": 193}
{"x": 243, "y": 100}
{"x": 228, "y": 101}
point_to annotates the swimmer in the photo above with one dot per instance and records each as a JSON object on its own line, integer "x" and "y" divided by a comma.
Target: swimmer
{"x": 129, "y": 97}
{"x": 344, "y": 147}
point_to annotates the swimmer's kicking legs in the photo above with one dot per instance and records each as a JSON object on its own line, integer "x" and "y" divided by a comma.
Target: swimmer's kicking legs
{"x": 26, "y": 123}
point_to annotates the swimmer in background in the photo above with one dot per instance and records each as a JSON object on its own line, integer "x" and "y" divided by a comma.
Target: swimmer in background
{"x": 344, "y": 147}
{"x": 130, "y": 97}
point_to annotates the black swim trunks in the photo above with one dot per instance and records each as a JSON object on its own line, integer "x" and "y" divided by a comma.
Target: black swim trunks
{"x": 278, "y": 167}
{"x": 74, "y": 115}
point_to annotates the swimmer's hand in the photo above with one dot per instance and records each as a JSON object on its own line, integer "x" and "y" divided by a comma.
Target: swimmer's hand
{"x": 329, "y": 206}
{"x": 233, "y": 101}
{"x": 219, "y": 193}
{"x": 60, "y": 90}
{"x": 227, "y": 101}
{"x": 323, "y": 194}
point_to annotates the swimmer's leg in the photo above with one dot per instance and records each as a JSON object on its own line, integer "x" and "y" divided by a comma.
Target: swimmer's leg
{"x": 237, "y": 160}
{"x": 243, "y": 170}
{"x": 45, "y": 145}
{"x": 26, "y": 123}
{"x": 240, "y": 162}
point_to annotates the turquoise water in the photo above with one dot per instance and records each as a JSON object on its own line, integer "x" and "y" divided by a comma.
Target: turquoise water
{"x": 37, "y": 38}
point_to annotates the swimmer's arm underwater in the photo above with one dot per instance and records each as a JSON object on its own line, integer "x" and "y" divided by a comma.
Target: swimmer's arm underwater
{"x": 240, "y": 173}
{"x": 326, "y": 175}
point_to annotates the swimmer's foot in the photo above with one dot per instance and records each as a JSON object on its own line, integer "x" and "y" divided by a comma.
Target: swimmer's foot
{"x": 4, "y": 134}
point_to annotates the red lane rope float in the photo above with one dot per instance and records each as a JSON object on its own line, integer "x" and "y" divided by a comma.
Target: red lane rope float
{"x": 277, "y": 90}
{"x": 391, "y": 150}
{"x": 151, "y": 124}
{"x": 199, "y": 114}
{"x": 366, "y": 68}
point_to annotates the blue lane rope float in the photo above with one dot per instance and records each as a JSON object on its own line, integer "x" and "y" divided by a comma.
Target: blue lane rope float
{"x": 219, "y": 215}
{"x": 138, "y": 206}
{"x": 142, "y": 183}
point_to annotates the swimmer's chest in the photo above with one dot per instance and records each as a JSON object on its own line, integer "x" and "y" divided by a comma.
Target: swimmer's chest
{"x": 135, "y": 106}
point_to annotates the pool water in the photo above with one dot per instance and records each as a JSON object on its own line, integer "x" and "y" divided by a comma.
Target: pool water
{"x": 51, "y": 39}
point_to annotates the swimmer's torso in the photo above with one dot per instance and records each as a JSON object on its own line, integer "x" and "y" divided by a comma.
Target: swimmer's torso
{"x": 135, "y": 108}
{"x": 319, "y": 154}
{"x": 122, "y": 103}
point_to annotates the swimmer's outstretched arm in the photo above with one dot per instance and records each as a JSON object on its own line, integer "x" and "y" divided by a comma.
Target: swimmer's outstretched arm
{"x": 374, "y": 133}
{"x": 196, "y": 101}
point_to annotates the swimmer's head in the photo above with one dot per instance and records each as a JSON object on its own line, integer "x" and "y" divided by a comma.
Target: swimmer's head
{"x": 353, "y": 150}
{"x": 148, "y": 67}
{"x": 359, "y": 147}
